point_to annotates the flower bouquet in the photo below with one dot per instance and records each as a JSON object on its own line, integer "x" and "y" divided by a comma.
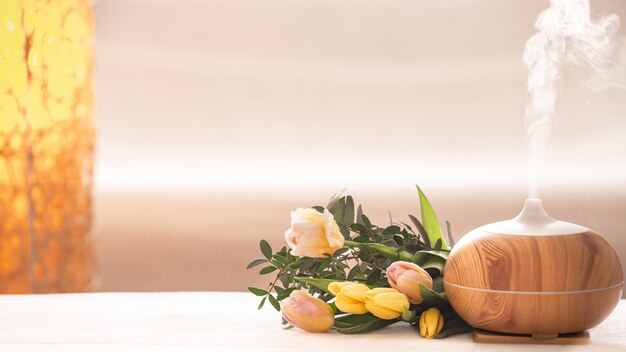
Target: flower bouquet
{"x": 340, "y": 271}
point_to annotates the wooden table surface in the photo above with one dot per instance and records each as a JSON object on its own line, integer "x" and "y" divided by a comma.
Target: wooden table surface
{"x": 216, "y": 321}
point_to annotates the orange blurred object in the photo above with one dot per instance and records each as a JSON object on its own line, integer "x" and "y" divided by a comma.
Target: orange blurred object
{"x": 46, "y": 146}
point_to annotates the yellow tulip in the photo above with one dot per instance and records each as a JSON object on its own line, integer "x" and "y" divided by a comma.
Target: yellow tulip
{"x": 308, "y": 313}
{"x": 350, "y": 296}
{"x": 386, "y": 303}
{"x": 431, "y": 323}
{"x": 335, "y": 287}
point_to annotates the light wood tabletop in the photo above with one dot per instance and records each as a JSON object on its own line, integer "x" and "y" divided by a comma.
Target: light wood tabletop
{"x": 216, "y": 321}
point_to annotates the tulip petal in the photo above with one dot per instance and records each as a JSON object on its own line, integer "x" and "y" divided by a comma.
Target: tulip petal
{"x": 355, "y": 291}
{"x": 439, "y": 325}
{"x": 422, "y": 325}
{"x": 306, "y": 312}
{"x": 349, "y": 305}
{"x": 386, "y": 303}
{"x": 381, "y": 312}
{"x": 313, "y": 234}
{"x": 350, "y": 298}
{"x": 301, "y": 215}
{"x": 333, "y": 233}
{"x": 307, "y": 239}
{"x": 335, "y": 287}
{"x": 392, "y": 300}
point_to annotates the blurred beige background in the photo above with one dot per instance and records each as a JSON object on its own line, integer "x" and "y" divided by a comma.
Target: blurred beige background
{"x": 216, "y": 118}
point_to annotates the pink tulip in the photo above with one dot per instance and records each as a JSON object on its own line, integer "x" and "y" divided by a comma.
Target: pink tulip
{"x": 406, "y": 277}
{"x": 308, "y": 313}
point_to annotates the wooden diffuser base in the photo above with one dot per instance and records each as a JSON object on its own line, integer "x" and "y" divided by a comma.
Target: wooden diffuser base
{"x": 533, "y": 276}
{"x": 484, "y": 336}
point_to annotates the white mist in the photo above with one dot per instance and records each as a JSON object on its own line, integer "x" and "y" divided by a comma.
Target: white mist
{"x": 566, "y": 34}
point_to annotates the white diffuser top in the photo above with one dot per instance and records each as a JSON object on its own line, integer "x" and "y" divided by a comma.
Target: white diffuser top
{"x": 533, "y": 220}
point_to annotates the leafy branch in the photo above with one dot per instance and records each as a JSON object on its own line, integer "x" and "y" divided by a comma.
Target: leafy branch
{"x": 368, "y": 250}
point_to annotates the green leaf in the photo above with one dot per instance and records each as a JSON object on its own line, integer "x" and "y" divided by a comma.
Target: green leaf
{"x": 359, "y": 215}
{"x": 363, "y": 323}
{"x": 349, "y": 212}
{"x": 390, "y": 243}
{"x": 280, "y": 259}
{"x": 356, "y": 227}
{"x": 422, "y": 256}
{"x": 434, "y": 263}
{"x": 266, "y": 249}
{"x": 307, "y": 264}
{"x": 322, "y": 284}
{"x": 354, "y": 319}
{"x": 334, "y": 308}
{"x": 420, "y": 230}
{"x": 385, "y": 251}
{"x": 453, "y": 327}
{"x": 323, "y": 265}
{"x": 430, "y": 262}
{"x": 332, "y": 202}
{"x": 450, "y": 237}
{"x": 438, "y": 284}
{"x": 284, "y": 279}
{"x": 256, "y": 262}
{"x": 267, "y": 270}
{"x": 366, "y": 221}
{"x": 431, "y": 225}
{"x": 432, "y": 297}
{"x": 352, "y": 273}
{"x": 257, "y": 291}
{"x": 262, "y": 303}
{"x": 373, "y": 277}
{"x": 297, "y": 263}
{"x": 340, "y": 251}
{"x": 340, "y": 210}
{"x": 454, "y": 331}
{"x": 407, "y": 225}
{"x": 331, "y": 275}
{"x": 318, "y": 208}
{"x": 274, "y": 302}
{"x": 393, "y": 229}
{"x": 280, "y": 291}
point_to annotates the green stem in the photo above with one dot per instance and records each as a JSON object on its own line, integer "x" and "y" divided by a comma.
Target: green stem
{"x": 385, "y": 251}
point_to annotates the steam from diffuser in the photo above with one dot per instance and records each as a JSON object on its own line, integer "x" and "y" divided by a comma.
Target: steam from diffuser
{"x": 566, "y": 34}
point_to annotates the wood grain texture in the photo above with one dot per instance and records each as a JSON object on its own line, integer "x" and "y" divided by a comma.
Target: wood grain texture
{"x": 511, "y": 283}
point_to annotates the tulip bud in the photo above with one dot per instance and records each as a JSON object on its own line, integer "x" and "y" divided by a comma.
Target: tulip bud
{"x": 308, "y": 313}
{"x": 431, "y": 323}
{"x": 406, "y": 277}
{"x": 386, "y": 303}
{"x": 349, "y": 296}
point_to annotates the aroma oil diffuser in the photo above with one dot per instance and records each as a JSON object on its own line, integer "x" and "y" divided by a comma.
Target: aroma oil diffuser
{"x": 533, "y": 275}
